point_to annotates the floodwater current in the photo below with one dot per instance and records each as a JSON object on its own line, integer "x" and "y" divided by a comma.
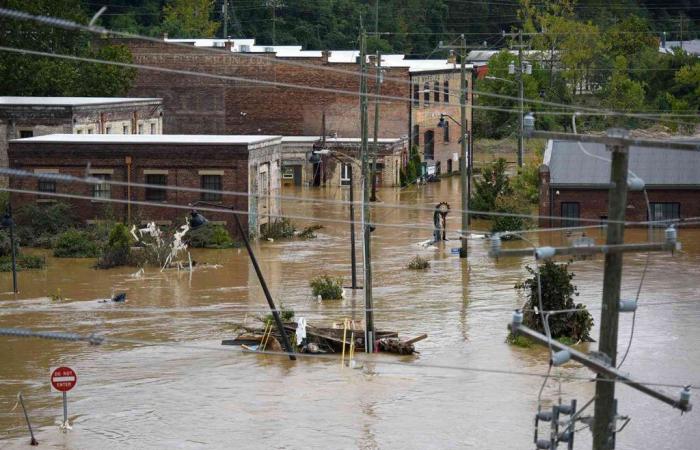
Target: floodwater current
{"x": 194, "y": 393}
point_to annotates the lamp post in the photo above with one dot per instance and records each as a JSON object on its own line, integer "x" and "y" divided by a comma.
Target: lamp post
{"x": 353, "y": 257}
{"x": 518, "y": 70}
{"x": 466, "y": 190}
{"x": 197, "y": 220}
{"x": 7, "y": 222}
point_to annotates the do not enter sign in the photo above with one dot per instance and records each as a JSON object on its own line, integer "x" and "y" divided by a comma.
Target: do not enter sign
{"x": 63, "y": 379}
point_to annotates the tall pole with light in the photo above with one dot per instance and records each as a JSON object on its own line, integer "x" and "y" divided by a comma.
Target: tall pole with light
{"x": 8, "y": 223}
{"x": 465, "y": 137}
{"x": 518, "y": 70}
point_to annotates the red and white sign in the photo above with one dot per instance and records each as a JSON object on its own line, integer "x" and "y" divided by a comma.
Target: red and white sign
{"x": 63, "y": 379}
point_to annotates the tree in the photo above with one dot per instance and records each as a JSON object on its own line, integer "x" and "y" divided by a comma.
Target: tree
{"x": 189, "y": 18}
{"x": 493, "y": 183}
{"x": 622, "y": 93}
{"x": 557, "y": 293}
{"x": 39, "y": 76}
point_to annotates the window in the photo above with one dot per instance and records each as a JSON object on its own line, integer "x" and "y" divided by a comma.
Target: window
{"x": 153, "y": 128}
{"x": 426, "y": 93}
{"x": 125, "y": 129}
{"x": 449, "y": 166}
{"x": 79, "y": 131}
{"x": 211, "y": 183}
{"x": 436, "y": 91}
{"x": 446, "y": 132}
{"x": 46, "y": 185}
{"x": 665, "y": 211}
{"x": 446, "y": 91}
{"x": 416, "y": 134}
{"x": 437, "y": 169}
{"x": 140, "y": 128}
{"x": 416, "y": 94}
{"x": 154, "y": 194}
{"x": 89, "y": 130}
{"x": 102, "y": 190}
{"x": 571, "y": 212}
{"x": 345, "y": 174}
{"x": 108, "y": 130}
{"x": 428, "y": 145}
{"x": 26, "y": 133}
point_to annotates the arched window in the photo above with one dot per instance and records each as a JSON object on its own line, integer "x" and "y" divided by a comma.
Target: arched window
{"x": 446, "y": 91}
{"x": 426, "y": 93}
{"x": 429, "y": 145}
{"x": 436, "y": 91}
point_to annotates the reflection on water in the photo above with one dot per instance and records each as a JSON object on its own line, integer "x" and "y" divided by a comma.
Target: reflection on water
{"x": 164, "y": 397}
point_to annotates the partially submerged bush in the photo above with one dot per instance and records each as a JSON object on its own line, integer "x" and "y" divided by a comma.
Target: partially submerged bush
{"x": 282, "y": 228}
{"x": 328, "y": 287}
{"x": 557, "y": 293}
{"x": 308, "y": 232}
{"x": 23, "y": 262}
{"x": 209, "y": 236}
{"x": 286, "y": 314}
{"x": 510, "y": 204}
{"x": 75, "y": 244}
{"x": 38, "y": 223}
{"x": 117, "y": 252}
{"x": 418, "y": 263}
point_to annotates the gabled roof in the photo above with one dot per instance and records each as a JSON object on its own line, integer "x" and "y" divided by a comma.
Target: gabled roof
{"x": 574, "y": 164}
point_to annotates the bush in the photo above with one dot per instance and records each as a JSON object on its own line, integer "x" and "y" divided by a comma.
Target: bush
{"x": 308, "y": 232}
{"x": 75, "y": 244}
{"x": 510, "y": 204}
{"x": 557, "y": 293}
{"x": 286, "y": 314}
{"x": 492, "y": 183}
{"x": 23, "y": 262}
{"x": 37, "y": 223}
{"x": 328, "y": 287}
{"x": 282, "y": 228}
{"x": 209, "y": 236}
{"x": 117, "y": 252}
{"x": 418, "y": 263}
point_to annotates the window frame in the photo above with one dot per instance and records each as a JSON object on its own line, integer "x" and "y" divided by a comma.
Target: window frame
{"x": 436, "y": 91}
{"x": 102, "y": 188}
{"x": 416, "y": 94}
{"x": 446, "y": 131}
{"x": 426, "y": 93}
{"x": 569, "y": 220}
{"x": 153, "y": 194}
{"x": 446, "y": 91}
{"x": 674, "y": 207}
{"x": 205, "y": 183}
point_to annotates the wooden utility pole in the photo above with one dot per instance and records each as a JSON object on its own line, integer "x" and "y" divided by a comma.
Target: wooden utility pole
{"x": 465, "y": 137}
{"x": 366, "y": 244}
{"x": 224, "y": 13}
{"x": 377, "y": 92}
{"x": 605, "y": 421}
{"x": 521, "y": 93}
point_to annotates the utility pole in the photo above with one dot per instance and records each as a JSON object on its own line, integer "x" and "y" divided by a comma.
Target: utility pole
{"x": 366, "y": 244}
{"x": 376, "y": 17}
{"x": 521, "y": 93}
{"x": 224, "y": 11}
{"x": 605, "y": 411}
{"x": 464, "y": 176}
{"x": 377, "y": 91}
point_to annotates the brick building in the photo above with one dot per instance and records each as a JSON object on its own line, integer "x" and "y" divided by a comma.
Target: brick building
{"x": 248, "y": 164}
{"x": 329, "y": 171}
{"x": 575, "y": 185}
{"x": 218, "y": 106}
{"x": 22, "y": 117}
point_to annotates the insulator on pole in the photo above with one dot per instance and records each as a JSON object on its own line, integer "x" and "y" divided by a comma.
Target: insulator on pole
{"x": 627, "y": 305}
{"x": 635, "y": 184}
{"x": 685, "y": 396}
{"x": 560, "y": 357}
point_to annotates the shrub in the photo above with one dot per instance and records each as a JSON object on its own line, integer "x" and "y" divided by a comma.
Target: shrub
{"x": 209, "y": 236}
{"x": 286, "y": 314}
{"x": 418, "y": 263}
{"x": 281, "y": 228}
{"x": 510, "y": 204}
{"x": 117, "y": 252}
{"x": 557, "y": 293}
{"x": 23, "y": 262}
{"x": 492, "y": 183}
{"x": 308, "y": 232}
{"x": 37, "y": 223}
{"x": 75, "y": 244}
{"x": 328, "y": 287}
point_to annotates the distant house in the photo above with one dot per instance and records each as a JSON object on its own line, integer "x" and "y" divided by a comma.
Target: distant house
{"x": 575, "y": 178}
{"x": 22, "y": 117}
{"x": 692, "y": 47}
{"x": 327, "y": 170}
{"x": 244, "y": 164}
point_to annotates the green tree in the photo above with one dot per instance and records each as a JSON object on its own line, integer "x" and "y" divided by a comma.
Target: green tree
{"x": 189, "y": 18}
{"x": 492, "y": 183}
{"x": 623, "y": 93}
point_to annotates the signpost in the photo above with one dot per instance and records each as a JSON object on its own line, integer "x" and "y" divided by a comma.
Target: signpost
{"x": 63, "y": 379}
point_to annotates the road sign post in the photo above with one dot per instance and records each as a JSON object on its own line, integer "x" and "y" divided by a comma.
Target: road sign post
{"x": 63, "y": 379}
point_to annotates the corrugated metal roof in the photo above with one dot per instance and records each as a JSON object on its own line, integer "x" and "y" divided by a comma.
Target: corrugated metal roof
{"x": 577, "y": 164}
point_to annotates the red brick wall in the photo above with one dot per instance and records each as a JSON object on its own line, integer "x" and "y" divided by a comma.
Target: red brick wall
{"x": 201, "y": 105}
{"x": 182, "y": 162}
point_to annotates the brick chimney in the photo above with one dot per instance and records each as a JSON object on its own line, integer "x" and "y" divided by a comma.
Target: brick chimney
{"x": 325, "y": 54}
{"x": 227, "y": 45}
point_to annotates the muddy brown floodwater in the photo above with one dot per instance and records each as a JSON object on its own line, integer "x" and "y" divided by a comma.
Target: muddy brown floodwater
{"x": 139, "y": 396}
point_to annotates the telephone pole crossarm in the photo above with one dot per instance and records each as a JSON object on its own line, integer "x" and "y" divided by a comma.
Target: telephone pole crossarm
{"x": 600, "y": 367}
{"x": 591, "y": 249}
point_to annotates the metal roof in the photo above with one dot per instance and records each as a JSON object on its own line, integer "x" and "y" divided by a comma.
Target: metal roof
{"x": 588, "y": 165}
{"x": 206, "y": 139}
{"x": 70, "y": 101}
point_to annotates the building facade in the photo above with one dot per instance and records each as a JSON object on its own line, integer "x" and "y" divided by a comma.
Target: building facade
{"x": 242, "y": 164}
{"x": 575, "y": 178}
{"x": 235, "y": 106}
{"x": 23, "y": 117}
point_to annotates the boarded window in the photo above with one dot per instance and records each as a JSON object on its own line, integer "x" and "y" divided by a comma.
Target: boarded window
{"x": 155, "y": 194}
{"x": 211, "y": 183}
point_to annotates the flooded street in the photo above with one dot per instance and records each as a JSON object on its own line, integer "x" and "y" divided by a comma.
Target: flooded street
{"x": 195, "y": 393}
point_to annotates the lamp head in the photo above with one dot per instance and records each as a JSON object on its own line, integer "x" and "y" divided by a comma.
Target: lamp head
{"x": 442, "y": 123}
{"x": 197, "y": 220}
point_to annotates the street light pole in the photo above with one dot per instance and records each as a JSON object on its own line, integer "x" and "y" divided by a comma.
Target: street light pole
{"x": 521, "y": 93}
{"x": 464, "y": 176}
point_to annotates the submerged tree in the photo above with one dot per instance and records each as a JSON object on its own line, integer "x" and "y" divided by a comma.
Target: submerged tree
{"x": 557, "y": 293}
